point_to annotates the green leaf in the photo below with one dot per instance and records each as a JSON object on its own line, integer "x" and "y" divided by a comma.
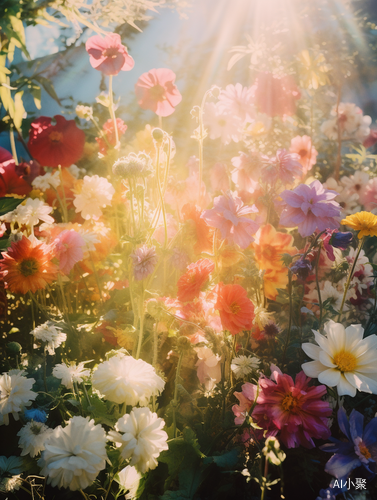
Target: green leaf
{"x": 4, "y": 244}
{"x": 9, "y": 204}
{"x": 227, "y": 460}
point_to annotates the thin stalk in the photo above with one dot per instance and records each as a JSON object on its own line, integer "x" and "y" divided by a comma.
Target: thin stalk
{"x": 175, "y": 400}
{"x": 318, "y": 290}
{"x": 339, "y": 153}
{"x": 290, "y": 315}
{"x": 13, "y": 144}
{"x": 141, "y": 332}
{"x": 112, "y": 112}
{"x": 361, "y": 242}
{"x": 45, "y": 369}
{"x": 132, "y": 207}
{"x": 64, "y": 198}
{"x": 160, "y": 194}
{"x": 96, "y": 277}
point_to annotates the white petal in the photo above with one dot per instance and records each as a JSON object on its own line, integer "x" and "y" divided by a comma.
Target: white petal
{"x": 365, "y": 345}
{"x": 363, "y": 383}
{"x": 311, "y": 350}
{"x": 323, "y": 342}
{"x": 369, "y": 357}
{"x": 354, "y": 334}
{"x": 329, "y": 377}
{"x": 313, "y": 368}
{"x": 345, "y": 388}
{"x": 326, "y": 360}
{"x": 337, "y": 336}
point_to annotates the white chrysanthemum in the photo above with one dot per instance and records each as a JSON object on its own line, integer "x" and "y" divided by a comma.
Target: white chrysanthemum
{"x": 74, "y": 455}
{"x": 70, "y": 373}
{"x": 354, "y": 125}
{"x": 50, "y": 334}
{"x": 243, "y": 365}
{"x": 129, "y": 479}
{"x": 127, "y": 380}
{"x": 96, "y": 193}
{"x": 15, "y": 393}
{"x": 142, "y": 438}
{"x": 33, "y": 211}
{"x": 47, "y": 181}
{"x": 10, "y": 473}
{"x": 343, "y": 359}
{"x": 239, "y": 101}
{"x": 221, "y": 124}
{"x": 329, "y": 293}
{"x": 32, "y": 438}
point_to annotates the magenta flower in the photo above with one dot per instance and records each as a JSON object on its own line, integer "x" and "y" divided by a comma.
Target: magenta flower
{"x": 144, "y": 260}
{"x": 228, "y": 215}
{"x": 108, "y": 54}
{"x": 156, "y": 91}
{"x": 310, "y": 208}
{"x": 284, "y": 166}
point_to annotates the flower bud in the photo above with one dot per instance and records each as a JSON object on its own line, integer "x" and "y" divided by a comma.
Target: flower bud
{"x": 158, "y": 135}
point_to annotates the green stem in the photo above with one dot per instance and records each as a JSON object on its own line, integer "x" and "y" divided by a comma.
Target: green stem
{"x": 13, "y": 145}
{"x": 160, "y": 194}
{"x": 141, "y": 314}
{"x": 45, "y": 369}
{"x": 132, "y": 207}
{"x": 290, "y": 315}
{"x": 112, "y": 112}
{"x": 361, "y": 242}
{"x": 175, "y": 400}
{"x": 318, "y": 289}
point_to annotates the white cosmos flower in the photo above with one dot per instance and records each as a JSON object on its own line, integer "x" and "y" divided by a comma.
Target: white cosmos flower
{"x": 129, "y": 478}
{"x": 123, "y": 379}
{"x": 343, "y": 359}
{"x": 221, "y": 124}
{"x": 70, "y": 373}
{"x": 96, "y": 193}
{"x": 32, "y": 438}
{"x": 50, "y": 334}
{"x": 44, "y": 182}
{"x": 33, "y": 211}
{"x": 142, "y": 438}
{"x": 15, "y": 393}
{"x": 74, "y": 455}
{"x": 243, "y": 365}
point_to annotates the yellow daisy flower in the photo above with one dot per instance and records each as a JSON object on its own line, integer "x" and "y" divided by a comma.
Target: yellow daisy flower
{"x": 364, "y": 222}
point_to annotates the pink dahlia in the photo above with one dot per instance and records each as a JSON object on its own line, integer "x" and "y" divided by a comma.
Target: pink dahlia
{"x": 228, "y": 215}
{"x": 156, "y": 91}
{"x": 283, "y": 166}
{"x": 144, "y": 260}
{"x": 69, "y": 247}
{"x": 294, "y": 410}
{"x": 108, "y": 54}
{"x": 310, "y": 208}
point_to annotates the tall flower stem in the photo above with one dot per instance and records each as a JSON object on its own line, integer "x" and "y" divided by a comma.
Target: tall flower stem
{"x": 45, "y": 369}
{"x": 141, "y": 331}
{"x": 318, "y": 289}
{"x": 13, "y": 145}
{"x": 350, "y": 274}
{"x": 132, "y": 207}
{"x": 160, "y": 194}
{"x": 175, "y": 400}
{"x": 112, "y": 112}
{"x": 290, "y": 315}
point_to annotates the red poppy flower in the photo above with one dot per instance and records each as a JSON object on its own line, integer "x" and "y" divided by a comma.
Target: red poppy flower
{"x": 108, "y": 54}
{"x": 156, "y": 91}
{"x": 11, "y": 175}
{"x": 276, "y": 96}
{"x": 191, "y": 283}
{"x": 54, "y": 145}
{"x": 236, "y": 309}
{"x": 109, "y": 131}
{"x": 197, "y": 229}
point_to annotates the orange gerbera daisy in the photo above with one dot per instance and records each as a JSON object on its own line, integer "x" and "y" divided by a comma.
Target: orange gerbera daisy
{"x": 269, "y": 245}
{"x": 27, "y": 266}
{"x": 235, "y": 308}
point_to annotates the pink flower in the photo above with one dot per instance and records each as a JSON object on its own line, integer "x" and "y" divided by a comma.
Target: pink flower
{"x": 144, "y": 261}
{"x": 371, "y": 139}
{"x": 69, "y": 247}
{"x": 239, "y": 101}
{"x": 228, "y": 215}
{"x": 284, "y": 166}
{"x": 108, "y": 54}
{"x": 246, "y": 171}
{"x": 208, "y": 367}
{"x": 156, "y": 91}
{"x": 310, "y": 208}
{"x": 219, "y": 177}
{"x": 275, "y": 95}
{"x": 368, "y": 195}
{"x": 307, "y": 153}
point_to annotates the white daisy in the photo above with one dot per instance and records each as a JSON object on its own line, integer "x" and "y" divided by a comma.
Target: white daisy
{"x": 15, "y": 394}
{"x": 243, "y": 365}
{"x": 32, "y": 438}
{"x": 71, "y": 373}
{"x": 50, "y": 334}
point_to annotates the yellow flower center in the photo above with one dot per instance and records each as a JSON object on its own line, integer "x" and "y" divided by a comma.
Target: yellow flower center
{"x": 235, "y": 308}
{"x": 345, "y": 361}
{"x": 289, "y": 403}
{"x": 364, "y": 451}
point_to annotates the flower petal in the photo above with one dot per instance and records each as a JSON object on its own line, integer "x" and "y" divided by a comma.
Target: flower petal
{"x": 313, "y": 368}
{"x": 311, "y": 350}
{"x": 345, "y": 387}
{"x": 326, "y": 360}
{"x": 329, "y": 377}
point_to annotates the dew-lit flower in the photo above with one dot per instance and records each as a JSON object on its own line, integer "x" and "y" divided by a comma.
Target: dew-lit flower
{"x": 27, "y": 266}
{"x": 242, "y": 366}
{"x": 144, "y": 261}
{"x": 302, "y": 146}
{"x": 238, "y": 101}
{"x": 123, "y": 379}
{"x": 74, "y": 454}
{"x": 70, "y": 373}
{"x": 15, "y": 394}
{"x": 235, "y": 308}
{"x": 364, "y": 222}
{"x": 69, "y": 249}
{"x": 229, "y": 215}
{"x": 270, "y": 245}
{"x": 194, "y": 279}
{"x": 208, "y": 367}
{"x": 141, "y": 438}
{"x": 343, "y": 359}
{"x": 10, "y": 473}
{"x": 51, "y": 334}
{"x": 310, "y": 208}
{"x": 96, "y": 193}
{"x": 155, "y": 90}
{"x": 108, "y": 54}
{"x": 32, "y": 438}
{"x": 358, "y": 450}
{"x": 54, "y": 145}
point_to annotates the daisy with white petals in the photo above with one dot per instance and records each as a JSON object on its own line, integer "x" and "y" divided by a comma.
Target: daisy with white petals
{"x": 123, "y": 379}
{"x": 50, "y": 334}
{"x": 71, "y": 373}
{"x": 32, "y": 438}
{"x": 142, "y": 439}
{"x": 74, "y": 455}
{"x": 15, "y": 394}
{"x": 243, "y": 365}
{"x": 343, "y": 359}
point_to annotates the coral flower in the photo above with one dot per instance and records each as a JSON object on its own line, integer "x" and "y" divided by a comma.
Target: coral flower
{"x": 269, "y": 245}
{"x": 156, "y": 91}
{"x": 191, "y": 283}
{"x": 302, "y": 145}
{"x": 236, "y": 309}
{"x": 27, "y": 266}
{"x": 109, "y": 131}
{"x": 69, "y": 246}
{"x": 53, "y": 145}
{"x": 199, "y": 231}
{"x": 276, "y": 96}
{"x": 108, "y": 54}
{"x": 364, "y": 222}
{"x": 228, "y": 215}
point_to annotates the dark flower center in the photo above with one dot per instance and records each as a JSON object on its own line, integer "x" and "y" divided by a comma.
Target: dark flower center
{"x": 28, "y": 267}
{"x": 303, "y": 152}
{"x": 56, "y": 136}
{"x": 112, "y": 52}
{"x": 235, "y": 308}
{"x": 289, "y": 403}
